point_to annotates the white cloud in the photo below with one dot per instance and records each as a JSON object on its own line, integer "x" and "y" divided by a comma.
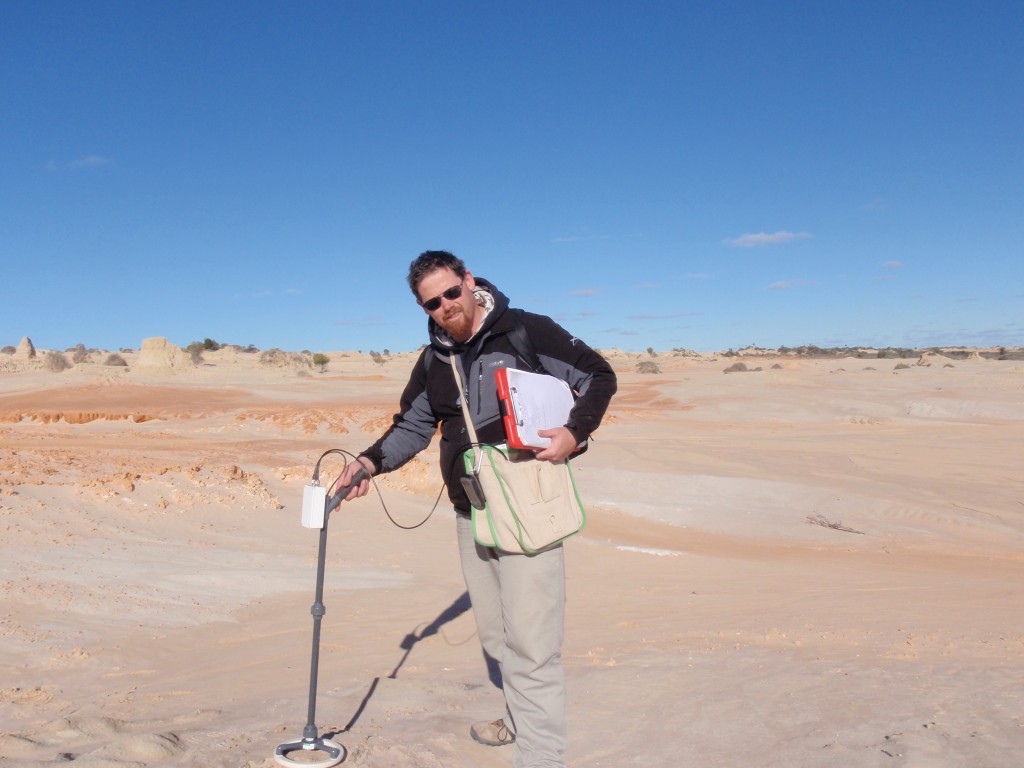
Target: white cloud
{"x": 89, "y": 161}
{"x": 892, "y": 265}
{"x": 667, "y": 316}
{"x": 579, "y": 238}
{"x": 764, "y": 238}
{"x": 785, "y": 285}
{"x": 585, "y": 292}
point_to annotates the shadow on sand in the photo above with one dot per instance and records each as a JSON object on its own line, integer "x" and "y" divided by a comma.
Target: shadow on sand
{"x": 452, "y": 612}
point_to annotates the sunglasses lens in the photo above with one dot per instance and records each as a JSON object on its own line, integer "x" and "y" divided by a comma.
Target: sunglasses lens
{"x": 451, "y": 294}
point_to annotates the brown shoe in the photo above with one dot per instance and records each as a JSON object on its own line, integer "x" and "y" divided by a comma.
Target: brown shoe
{"x": 493, "y": 734}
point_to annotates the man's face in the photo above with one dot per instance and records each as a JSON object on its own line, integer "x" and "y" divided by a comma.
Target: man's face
{"x": 455, "y": 315}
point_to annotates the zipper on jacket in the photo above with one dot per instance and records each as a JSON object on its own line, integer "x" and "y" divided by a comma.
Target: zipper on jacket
{"x": 479, "y": 386}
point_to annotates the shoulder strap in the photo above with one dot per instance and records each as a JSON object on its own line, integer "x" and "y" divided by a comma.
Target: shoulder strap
{"x": 478, "y": 452}
{"x": 519, "y": 339}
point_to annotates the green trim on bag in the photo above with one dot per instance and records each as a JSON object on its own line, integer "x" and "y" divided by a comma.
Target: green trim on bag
{"x": 515, "y": 516}
{"x": 520, "y": 534}
{"x": 468, "y": 462}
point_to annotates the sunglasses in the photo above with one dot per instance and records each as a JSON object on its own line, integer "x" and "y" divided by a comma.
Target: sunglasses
{"x": 451, "y": 294}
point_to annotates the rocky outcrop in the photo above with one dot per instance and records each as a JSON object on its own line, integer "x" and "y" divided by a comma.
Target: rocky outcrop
{"x": 158, "y": 353}
{"x": 26, "y": 350}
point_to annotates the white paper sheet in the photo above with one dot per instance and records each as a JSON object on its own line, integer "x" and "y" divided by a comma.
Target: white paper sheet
{"x": 538, "y": 402}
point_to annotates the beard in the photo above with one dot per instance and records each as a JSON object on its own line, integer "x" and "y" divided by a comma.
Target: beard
{"x": 458, "y": 325}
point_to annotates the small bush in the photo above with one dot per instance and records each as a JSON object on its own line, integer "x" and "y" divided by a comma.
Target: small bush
{"x": 8, "y": 350}
{"x": 741, "y": 368}
{"x": 116, "y": 360}
{"x": 320, "y": 360}
{"x": 647, "y": 366}
{"x": 195, "y": 351}
{"x": 56, "y": 362}
{"x": 79, "y": 354}
{"x": 278, "y": 358}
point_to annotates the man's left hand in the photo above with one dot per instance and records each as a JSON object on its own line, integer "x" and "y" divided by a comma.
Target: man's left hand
{"x": 563, "y": 444}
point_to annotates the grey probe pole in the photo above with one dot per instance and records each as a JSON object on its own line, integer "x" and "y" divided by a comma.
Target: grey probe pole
{"x": 311, "y": 739}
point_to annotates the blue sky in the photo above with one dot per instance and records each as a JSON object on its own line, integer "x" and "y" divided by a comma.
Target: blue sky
{"x": 701, "y": 175}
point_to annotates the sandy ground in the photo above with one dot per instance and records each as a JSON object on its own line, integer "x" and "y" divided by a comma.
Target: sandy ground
{"x": 816, "y": 564}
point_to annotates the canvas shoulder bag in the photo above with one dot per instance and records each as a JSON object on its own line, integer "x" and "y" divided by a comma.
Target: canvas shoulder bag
{"x": 519, "y": 503}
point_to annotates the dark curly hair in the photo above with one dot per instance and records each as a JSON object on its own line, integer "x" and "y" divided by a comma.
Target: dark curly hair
{"x": 428, "y": 262}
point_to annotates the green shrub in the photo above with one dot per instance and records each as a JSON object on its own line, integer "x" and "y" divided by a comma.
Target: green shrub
{"x": 320, "y": 360}
{"x": 647, "y": 366}
{"x": 115, "y": 359}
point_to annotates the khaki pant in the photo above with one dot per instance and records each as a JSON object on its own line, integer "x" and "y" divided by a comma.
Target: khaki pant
{"x": 519, "y": 605}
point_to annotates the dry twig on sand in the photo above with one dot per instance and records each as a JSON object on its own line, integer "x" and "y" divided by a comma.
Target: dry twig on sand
{"x": 838, "y": 526}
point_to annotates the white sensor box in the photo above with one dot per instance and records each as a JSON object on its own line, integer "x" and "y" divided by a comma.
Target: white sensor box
{"x": 314, "y": 502}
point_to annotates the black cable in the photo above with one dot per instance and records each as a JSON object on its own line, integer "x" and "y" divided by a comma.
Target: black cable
{"x": 344, "y": 455}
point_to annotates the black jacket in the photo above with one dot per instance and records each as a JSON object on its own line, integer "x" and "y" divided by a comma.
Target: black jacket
{"x": 431, "y": 397}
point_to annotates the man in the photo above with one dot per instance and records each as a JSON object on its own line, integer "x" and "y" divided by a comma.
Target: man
{"x": 518, "y": 600}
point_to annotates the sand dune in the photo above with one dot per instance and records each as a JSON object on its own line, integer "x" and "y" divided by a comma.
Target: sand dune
{"x": 815, "y": 564}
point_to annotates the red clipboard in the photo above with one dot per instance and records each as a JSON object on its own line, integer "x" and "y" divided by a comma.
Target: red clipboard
{"x": 530, "y": 402}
